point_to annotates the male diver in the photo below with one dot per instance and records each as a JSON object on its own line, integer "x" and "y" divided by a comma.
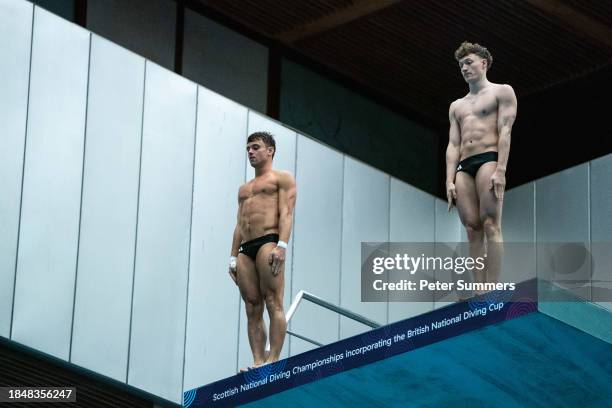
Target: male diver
{"x": 477, "y": 155}
{"x": 259, "y": 245}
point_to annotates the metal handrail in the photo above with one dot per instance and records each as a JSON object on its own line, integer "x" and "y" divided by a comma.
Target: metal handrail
{"x": 328, "y": 305}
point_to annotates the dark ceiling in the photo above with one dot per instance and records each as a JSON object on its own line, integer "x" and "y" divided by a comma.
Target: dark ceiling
{"x": 403, "y": 50}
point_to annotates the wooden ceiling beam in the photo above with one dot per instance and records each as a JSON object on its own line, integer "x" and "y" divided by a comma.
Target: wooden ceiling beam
{"x": 359, "y": 9}
{"x": 580, "y": 23}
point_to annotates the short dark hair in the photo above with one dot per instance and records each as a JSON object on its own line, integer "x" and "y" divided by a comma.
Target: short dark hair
{"x": 467, "y": 48}
{"x": 265, "y": 137}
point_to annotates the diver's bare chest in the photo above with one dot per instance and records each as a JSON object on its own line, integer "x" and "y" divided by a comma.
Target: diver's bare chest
{"x": 477, "y": 107}
{"x": 259, "y": 188}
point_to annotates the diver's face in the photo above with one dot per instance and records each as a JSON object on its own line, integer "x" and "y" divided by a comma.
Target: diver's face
{"x": 472, "y": 67}
{"x": 258, "y": 153}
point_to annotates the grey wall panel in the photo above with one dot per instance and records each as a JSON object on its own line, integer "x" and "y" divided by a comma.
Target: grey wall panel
{"x": 562, "y": 208}
{"x": 448, "y": 224}
{"x": 212, "y": 337}
{"x": 108, "y": 212}
{"x": 215, "y": 56}
{"x": 601, "y": 229}
{"x": 163, "y": 235}
{"x": 46, "y": 264}
{"x": 365, "y": 218}
{"x": 518, "y": 219}
{"x": 317, "y": 242}
{"x": 450, "y": 230}
{"x": 463, "y": 234}
{"x": 15, "y": 43}
{"x": 147, "y": 27}
{"x": 412, "y": 213}
{"x": 284, "y": 159}
{"x": 562, "y": 215}
{"x": 518, "y": 229}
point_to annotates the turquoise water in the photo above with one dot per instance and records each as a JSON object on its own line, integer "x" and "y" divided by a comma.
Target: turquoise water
{"x": 532, "y": 361}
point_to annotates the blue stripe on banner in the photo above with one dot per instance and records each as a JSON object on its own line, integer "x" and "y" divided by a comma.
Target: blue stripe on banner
{"x": 188, "y": 398}
{"x": 367, "y": 348}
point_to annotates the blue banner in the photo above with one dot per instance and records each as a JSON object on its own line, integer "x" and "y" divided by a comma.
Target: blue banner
{"x": 371, "y": 346}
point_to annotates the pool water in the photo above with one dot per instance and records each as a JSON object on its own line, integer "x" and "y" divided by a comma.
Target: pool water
{"x": 531, "y": 361}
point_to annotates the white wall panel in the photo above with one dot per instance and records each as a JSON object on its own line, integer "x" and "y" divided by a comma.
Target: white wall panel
{"x": 562, "y": 215}
{"x": 46, "y": 264}
{"x": 412, "y": 213}
{"x": 163, "y": 235}
{"x": 108, "y": 214}
{"x": 317, "y": 241}
{"x": 284, "y": 159}
{"x": 365, "y": 218}
{"x": 212, "y": 337}
{"x": 601, "y": 232}
{"x": 15, "y": 44}
{"x": 215, "y": 57}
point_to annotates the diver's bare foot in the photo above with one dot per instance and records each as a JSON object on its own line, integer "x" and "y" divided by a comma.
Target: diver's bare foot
{"x": 271, "y": 360}
{"x": 249, "y": 368}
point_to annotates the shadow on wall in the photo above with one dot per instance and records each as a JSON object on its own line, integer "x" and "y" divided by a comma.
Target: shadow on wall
{"x": 358, "y": 127}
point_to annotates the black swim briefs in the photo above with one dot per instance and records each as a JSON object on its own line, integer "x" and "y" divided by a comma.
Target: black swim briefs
{"x": 251, "y": 248}
{"x": 471, "y": 164}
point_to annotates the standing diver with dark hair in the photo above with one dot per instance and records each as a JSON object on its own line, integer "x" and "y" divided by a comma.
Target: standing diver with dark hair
{"x": 257, "y": 262}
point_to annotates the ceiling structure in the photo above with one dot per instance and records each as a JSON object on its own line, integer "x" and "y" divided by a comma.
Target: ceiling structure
{"x": 403, "y": 49}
